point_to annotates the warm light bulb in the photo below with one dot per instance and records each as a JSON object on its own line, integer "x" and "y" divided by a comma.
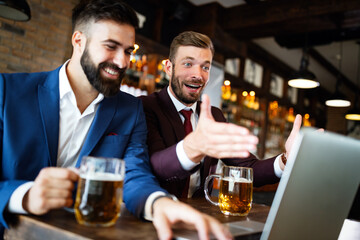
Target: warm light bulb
{"x": 132, "y": 59}
{"x": 227, "y": 83}
{"x": 354, "y": 117}
{"x": 303, "y": 83}
{"x": 136, "y": 47}
{"x": 244, "y": 93}
{"x": 337, "y": 103}
{"x": 252, "y": 93}
{"x": 233, "y": 97}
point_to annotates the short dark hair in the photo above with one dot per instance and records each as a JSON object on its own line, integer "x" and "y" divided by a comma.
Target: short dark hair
{"x": 96, "y": 10}
{"x": 190, "y": 38}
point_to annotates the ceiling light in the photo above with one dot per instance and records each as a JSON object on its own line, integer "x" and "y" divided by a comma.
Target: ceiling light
{"x": 17, "y": 10}
{"x": 338, "y": 99}
{"x": 354, "y": 113}
{"x": 303, "y": 78}
{"x": 337, "y": 103}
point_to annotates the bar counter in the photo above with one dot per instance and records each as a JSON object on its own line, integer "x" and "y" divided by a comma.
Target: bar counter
{"x": 61, "y": 224}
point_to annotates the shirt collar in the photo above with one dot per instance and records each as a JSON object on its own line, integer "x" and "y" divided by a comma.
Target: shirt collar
{"x": 179, "y": 105}
{"x": 64, "y": 85}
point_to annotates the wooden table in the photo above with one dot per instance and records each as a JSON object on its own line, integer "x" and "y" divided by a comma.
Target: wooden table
{"x": 61, "y": 224}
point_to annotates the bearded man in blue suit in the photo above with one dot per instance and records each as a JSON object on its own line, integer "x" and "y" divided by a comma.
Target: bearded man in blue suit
{"x": 50, "y": 120}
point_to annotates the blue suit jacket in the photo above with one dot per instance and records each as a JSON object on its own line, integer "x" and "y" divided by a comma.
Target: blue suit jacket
{"x": 29, "y": 133}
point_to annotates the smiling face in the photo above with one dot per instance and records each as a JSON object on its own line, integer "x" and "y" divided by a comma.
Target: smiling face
{"x": 107, "y": 55}
{"x": 189, "y": 73}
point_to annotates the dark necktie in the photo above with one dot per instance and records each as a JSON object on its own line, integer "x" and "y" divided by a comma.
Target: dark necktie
{"x": 188, "y": 129}
{"x": 187, "y": 122}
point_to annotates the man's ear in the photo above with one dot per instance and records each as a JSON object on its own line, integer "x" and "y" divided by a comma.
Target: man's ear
{"x": 168, "y": 68}
{"x": 78, "y": 41}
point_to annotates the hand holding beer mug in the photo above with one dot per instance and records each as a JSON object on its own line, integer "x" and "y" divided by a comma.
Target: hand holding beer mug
{"x": 236, "y": 190}
{"x": 99, "y": 192}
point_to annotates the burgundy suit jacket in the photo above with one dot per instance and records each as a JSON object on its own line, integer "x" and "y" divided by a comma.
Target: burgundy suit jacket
{"x": 165, "y": 130}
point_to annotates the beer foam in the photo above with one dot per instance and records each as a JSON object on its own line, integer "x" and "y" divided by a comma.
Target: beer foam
{"x": 232, "y": 179}
{"x": 99, "y": 176}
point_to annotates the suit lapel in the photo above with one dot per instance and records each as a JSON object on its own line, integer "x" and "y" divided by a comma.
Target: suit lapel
{"x": 171, "y": 113}
{"x": 103, "y": 117}
{"x": 48, "y": 97}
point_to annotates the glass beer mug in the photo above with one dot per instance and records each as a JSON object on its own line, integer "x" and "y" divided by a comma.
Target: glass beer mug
{"x": 99, "y": 192}
{"x": 236, "y": 190}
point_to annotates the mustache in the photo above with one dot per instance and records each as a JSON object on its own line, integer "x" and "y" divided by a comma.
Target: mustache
{"x": 113, "y": 66}
{"x": 194, "y": 81}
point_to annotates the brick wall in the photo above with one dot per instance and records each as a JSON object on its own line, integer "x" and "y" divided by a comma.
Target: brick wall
{"x": 336, "y": 121}
{"x": 41, "y": 44}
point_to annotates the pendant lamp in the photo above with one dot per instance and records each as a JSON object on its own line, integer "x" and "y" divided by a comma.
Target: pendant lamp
{"x": 354, "y": 113}
{"x": 303, "y": 78}
{"x": 17, "y": 10}
{"x": 337, "y": 99}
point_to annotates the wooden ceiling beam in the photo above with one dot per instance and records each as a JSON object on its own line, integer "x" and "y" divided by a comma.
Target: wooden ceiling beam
{"x": 271, "y": 12}
{"x": 334, "y": 71}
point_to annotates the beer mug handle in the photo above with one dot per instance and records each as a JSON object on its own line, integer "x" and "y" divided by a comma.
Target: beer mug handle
{"x": 206, "y": 188}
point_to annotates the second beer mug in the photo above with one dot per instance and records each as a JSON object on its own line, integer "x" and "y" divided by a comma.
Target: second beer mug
{"x": 236, "y": 190}
{"x": 99, "y": 193}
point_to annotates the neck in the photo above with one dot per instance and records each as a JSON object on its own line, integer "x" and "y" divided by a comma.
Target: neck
{"x": 83, "y": 91}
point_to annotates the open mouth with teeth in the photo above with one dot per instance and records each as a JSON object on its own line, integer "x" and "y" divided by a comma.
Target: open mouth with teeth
{"x": 110, "y": 72}
{"x": 193, "y": 86}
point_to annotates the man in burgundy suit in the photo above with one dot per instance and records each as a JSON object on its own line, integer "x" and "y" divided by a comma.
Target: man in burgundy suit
{"x": 182, "y": 160}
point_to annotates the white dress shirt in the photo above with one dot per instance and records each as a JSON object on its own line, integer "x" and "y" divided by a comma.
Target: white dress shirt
{"x": 74, "y": 125}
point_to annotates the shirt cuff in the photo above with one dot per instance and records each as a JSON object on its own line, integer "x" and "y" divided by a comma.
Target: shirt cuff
{"x": 185, "y": 162}
{"x": 277, "y": 169}
{"x": 16, "y": 199}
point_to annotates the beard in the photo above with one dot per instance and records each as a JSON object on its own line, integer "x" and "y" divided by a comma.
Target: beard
{"x": 190, "y": 98}
{"x": 108, "y": 87}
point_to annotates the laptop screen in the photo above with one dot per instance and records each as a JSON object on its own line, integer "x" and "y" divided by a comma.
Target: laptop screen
{"x": 317, "y": 188}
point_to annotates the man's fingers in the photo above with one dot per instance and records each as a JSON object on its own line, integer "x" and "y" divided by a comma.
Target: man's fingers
{"x": 220, "y": 232}
{"x": 54, "y": 193}
{"x": 205, "y": 225}
{"x": 54, "y": 203}
{"x": 52, "y": 189}
{"x": 202, "y": 227}
{"x": 34, "y": 203}
{"x": 297, "y": 124}
{"x": 225, "y": 139}
{"x": 60, "y": 173}
{"x": 53, "y": 183}
{"x": 168, "y": 212}
{"x": 228, "y": 128}
{"x": 205, "y": 107}
{"x": 163, "y": 227}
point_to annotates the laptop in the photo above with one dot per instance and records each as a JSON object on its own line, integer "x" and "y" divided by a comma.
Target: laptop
{"x": 315, "y": 192}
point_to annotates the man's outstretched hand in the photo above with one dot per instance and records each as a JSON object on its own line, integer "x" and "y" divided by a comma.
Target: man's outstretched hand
{"x": 217, "y": 139}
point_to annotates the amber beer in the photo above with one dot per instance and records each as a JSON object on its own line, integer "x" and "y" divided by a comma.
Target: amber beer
{"x": 235, "y": 196}
{"x": 98, "y": 199}
{"x": 99, "y": 191}
{"x": 236, "y": 190}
